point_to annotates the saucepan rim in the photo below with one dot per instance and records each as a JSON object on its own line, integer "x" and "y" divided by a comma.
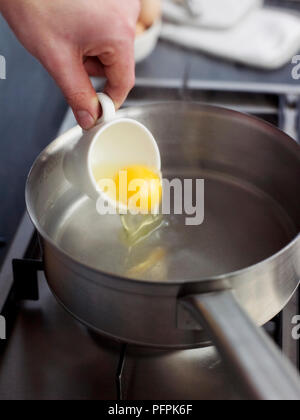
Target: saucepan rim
{"x": 219, "y": 109}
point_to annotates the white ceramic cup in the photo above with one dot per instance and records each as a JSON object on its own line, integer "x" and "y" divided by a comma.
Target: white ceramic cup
{"x": 113, "y": 144}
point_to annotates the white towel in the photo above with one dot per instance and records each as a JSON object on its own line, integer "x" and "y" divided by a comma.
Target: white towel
{"x": 268, "y": 38}
{"x": 217, "y": 14}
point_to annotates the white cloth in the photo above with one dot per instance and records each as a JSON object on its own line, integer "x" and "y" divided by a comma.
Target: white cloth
{"x": 217, "y": 14}
{"x": 268, "y": 38}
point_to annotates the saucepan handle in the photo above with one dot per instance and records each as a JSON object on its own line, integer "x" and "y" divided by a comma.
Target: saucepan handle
{"x": 258, "y": 365}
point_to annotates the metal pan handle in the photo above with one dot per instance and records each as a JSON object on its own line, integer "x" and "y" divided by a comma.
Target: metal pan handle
{"x": 259, "y": 367}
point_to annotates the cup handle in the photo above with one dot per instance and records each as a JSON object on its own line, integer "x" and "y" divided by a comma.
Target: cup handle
{"x": 108, "y": 108}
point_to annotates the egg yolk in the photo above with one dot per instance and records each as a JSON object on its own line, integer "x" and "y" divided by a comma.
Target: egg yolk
{"x": 139, "y": 188}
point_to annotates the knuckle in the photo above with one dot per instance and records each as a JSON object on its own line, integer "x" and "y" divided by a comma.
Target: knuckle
{"x": 129, "y": 28}
{"x": 108, "y": 57}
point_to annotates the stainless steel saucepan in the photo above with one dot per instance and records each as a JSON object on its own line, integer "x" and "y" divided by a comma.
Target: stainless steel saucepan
{"x": 214, "y": 281}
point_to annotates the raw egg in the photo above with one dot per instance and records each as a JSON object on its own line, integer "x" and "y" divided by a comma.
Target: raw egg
{"x": 139, "y": 188}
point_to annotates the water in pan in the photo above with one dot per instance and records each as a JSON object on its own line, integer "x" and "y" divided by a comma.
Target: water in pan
{"x": 242, "y": 226}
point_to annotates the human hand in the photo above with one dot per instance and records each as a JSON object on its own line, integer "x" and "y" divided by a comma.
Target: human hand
{"x": 77, "y": 38}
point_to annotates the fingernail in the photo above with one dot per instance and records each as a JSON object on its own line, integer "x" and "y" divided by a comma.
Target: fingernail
{"x": 85, "y": 119}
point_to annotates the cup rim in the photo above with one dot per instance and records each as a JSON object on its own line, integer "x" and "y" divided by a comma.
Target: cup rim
{"x": 103, "y": 127}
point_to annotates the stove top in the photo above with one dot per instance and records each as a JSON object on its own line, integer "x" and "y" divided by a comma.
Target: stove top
{"x": 48, "y": 355}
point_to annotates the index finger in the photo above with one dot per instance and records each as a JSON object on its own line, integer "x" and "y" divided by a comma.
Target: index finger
{"x": 119, "y": 69}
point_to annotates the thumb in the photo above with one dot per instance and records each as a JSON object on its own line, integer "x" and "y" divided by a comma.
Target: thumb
{"x": 71, "y": 76}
